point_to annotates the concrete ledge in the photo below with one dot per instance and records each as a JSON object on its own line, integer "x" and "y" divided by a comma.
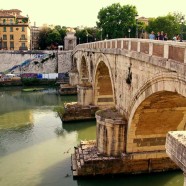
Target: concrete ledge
{"x": 176, "y": 148}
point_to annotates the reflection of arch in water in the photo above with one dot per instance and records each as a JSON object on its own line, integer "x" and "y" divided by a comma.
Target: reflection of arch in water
{"x": 85, "y": 130}
{"x": 158, "y": 107}
{"x": 16, "y": 119}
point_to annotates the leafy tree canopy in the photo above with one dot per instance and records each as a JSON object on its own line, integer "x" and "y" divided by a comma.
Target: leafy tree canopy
{"x": 115, "y": 20}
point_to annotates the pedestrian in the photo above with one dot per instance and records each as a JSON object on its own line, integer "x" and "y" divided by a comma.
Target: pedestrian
{"x": 158, "y": 36}
{"x": 161, "y": 36}
{"x": 165, "y": 37}
{"x": 152, "y": 36}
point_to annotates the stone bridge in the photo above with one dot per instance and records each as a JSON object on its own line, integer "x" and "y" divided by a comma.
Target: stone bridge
{"x": 144, "y": 82}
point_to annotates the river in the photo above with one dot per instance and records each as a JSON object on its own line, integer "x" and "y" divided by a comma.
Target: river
{"x": 35, "y": 146}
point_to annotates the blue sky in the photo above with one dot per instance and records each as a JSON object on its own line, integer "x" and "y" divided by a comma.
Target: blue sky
{"x": 74, "y": 13}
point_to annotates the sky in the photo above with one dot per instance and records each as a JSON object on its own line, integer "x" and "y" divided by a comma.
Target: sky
{"x": 73, "y": 13}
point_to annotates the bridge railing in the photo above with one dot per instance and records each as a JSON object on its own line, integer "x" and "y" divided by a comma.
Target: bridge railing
{"x": 172, "y": 50}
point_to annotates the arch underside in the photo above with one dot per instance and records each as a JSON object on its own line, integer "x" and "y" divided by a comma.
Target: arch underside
{"x": 103, "y": 87}
{"x": 159, "y": 113}
{"x": 84, "y": 70}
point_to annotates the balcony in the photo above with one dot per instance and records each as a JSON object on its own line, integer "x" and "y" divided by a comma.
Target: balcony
{"x": 23, "y": 39}
{"x": 23, "y": 48}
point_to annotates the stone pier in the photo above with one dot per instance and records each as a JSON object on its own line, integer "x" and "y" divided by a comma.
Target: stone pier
{"x": 108, "y": 154}
{"x": 176, "y": 149}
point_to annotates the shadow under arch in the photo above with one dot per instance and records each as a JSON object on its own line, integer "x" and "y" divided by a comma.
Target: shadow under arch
{"x": 84, "y": 73}
{"x": 158, "y": 107}
{"x": 103, "y": 84}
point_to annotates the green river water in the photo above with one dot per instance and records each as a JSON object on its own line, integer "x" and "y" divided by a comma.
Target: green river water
{"x": 35, "y": 146}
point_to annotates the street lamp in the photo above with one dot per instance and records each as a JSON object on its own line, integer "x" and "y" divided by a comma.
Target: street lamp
{"x": 136, "y": 16}
{"x": 101, "y": 32}
{"x": 87, "y": 37}
{"x": 107, "y": 36}
{"x": 182, "y": 21}
{"x": 79, "y": 40}
{"x": 129, "y": 30}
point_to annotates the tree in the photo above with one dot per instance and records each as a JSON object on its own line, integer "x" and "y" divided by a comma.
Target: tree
{"x": 43, "y": 34}
{"x": 53, "y": 38}
{"x": 115, "y": 20}
{"x": 50, "y": 38}
{"x": 92, "y": 34}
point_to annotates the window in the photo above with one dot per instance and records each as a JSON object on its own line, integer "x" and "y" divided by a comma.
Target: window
{"x": 11, "y": 45}
{"x": 4, "y": 21}
{"x": 11, "y": 37}
{"x": 4, "y": 37}
{"x": 23, "y": 28}
{"x": 11, "y": 21}
{"x": 4, "y": 29}
{"x": 23, "y": 45}
{"x": 11, "y": 29}
{"x": 5, "y": 45}
{"x": 23, "y": 37}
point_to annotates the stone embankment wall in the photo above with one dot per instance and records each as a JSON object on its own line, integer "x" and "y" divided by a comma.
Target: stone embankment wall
{"x": 61, "y": 63}
{"x": 64, "y": 61}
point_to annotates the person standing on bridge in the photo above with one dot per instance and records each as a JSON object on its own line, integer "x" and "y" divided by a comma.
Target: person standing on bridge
{"x": 152, "y": 36}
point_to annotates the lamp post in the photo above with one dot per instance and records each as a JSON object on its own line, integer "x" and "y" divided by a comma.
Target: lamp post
{"x": 87, "y": 37}
{"x": 79, "y": 40}
{"x": 107, "y": 36}
{"x": 136, "y": 16}
{"x": 129, "y": 30}
{"x": 182, "y": 21}
{"x": 101, "y": 32}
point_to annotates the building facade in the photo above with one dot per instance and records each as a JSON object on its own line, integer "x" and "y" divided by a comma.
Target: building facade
{"x": 34, "y": 37}
{"x": 14, "y": 30}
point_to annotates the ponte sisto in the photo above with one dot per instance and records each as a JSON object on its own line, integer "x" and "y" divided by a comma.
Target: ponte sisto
{"x": 139, "y": 87}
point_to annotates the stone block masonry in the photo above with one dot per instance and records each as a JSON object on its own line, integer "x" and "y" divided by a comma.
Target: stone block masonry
{"x": 176, "y": 149}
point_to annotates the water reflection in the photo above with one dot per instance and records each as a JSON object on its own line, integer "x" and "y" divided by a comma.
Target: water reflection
{"x": 35, "y": 146}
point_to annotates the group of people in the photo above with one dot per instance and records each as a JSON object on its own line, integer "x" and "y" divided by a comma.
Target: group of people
{"x": 163, "y": 36}
{"x": 160, "y": 36}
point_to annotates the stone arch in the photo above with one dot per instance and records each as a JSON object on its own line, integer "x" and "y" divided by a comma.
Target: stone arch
{"x": 158, "y": 107}
{"x": 104, "y": 95}
{"x": 84, "y": 73}
{"x": 74, "y": 64}
{"x": 91, "y": 69}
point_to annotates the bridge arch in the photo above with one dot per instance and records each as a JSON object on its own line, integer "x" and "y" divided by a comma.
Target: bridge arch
{"x": 158, "y": 107}
{"x": 84, "y": 72}
{"x": 104, "y": 94}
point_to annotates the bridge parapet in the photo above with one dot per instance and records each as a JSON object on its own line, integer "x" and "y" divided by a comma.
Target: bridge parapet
{"x": 176, "y": 149}
{"x": 169, "y": 50}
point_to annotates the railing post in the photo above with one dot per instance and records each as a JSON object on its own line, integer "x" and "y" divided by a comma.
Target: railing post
{"x": 129, "y": 46}
{"x": 150, "y": 49}
{"x": 166, "y": 51}
{"x": 185, "y": 56}
{"x": 138, "y": 46}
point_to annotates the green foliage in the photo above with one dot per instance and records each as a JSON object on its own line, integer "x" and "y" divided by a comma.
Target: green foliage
{"x": 115, "y": 20}
{"x": 53, "y": 37}
{"x": 25, "y": 20}
{"x": 92, "y": 34}
{"x": 170, "y": 24}
{"x": 60, "y": 111}
{"x": 49, "y": 37}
